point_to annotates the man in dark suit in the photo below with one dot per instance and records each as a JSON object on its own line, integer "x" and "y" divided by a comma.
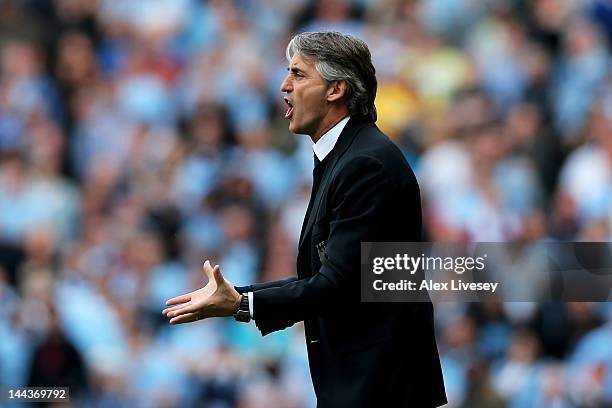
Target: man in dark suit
{"x": 360, "y": 354}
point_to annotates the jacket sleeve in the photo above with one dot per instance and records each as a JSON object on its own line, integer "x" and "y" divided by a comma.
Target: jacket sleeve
{"x": 359, "y": 197}
{"x": 265, "y": 285}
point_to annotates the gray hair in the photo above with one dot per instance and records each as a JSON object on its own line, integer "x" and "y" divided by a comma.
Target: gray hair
{"x": 341, "y": 57}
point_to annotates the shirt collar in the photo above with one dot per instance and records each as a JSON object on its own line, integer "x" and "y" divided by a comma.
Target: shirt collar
{"x": 326, "y": 143}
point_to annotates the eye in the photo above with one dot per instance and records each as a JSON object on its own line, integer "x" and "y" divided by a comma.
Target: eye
{"x": 295, "y": 74}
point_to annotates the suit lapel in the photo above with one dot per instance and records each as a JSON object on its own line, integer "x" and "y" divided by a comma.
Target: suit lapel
{"x": 344, "y": 141}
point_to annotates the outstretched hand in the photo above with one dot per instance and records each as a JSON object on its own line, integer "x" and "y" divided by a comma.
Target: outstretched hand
{"x": 217, "y": 298}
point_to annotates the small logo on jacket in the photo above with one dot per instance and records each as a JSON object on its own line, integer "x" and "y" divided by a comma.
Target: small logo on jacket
{"x": 321, "y": 248}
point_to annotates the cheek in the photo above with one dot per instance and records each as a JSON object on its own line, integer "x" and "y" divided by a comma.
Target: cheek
{"x": 311, "y": 103}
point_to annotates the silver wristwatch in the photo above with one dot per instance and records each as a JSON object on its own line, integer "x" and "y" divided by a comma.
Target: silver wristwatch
{"x": 243, "y": 314}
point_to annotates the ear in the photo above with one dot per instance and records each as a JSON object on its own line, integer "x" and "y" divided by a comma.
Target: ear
{"x": 337, "y": 90}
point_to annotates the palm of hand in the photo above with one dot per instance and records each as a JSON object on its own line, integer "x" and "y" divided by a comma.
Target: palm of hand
{"x": 217, "y": 298}
{"x": 202, "y": 297}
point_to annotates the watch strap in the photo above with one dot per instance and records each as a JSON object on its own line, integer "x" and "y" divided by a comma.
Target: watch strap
{"x": 243, "y": 314}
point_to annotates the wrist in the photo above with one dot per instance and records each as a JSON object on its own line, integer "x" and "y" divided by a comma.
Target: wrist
{"x": 242, "y": 312}
{"x": 237, "y": 301}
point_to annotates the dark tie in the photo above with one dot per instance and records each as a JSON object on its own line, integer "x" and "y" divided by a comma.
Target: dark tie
{"x": 317, "y": 175}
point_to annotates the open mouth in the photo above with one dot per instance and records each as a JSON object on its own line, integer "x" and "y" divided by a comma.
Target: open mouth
{"x": 289, "y": 112}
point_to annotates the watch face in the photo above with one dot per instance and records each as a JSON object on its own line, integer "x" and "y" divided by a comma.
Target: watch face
{"x": 243, "y": 316}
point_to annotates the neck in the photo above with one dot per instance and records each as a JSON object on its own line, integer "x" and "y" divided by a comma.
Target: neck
{"x": 329, "y": 121}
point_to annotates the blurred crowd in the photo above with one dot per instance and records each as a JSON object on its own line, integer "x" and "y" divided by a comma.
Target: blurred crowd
{"x": 140, "y": 137}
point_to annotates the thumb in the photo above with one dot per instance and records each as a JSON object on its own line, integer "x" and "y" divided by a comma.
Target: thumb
{"x": 208, "y": 270}
{"x": 218, "y": 276}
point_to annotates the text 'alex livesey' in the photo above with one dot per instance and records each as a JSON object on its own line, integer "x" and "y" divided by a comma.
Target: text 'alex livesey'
{"x": 430, "y": 285}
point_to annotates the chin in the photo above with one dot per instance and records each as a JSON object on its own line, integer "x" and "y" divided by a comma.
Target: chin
{"x": 293, "y": 128}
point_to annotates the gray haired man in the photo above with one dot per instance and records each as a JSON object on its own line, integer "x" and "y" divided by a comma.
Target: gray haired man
{"x": 360, "y": 354}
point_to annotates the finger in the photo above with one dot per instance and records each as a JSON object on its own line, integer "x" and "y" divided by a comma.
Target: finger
{"x": 208, "y": 270}
{"x": 171, "y": 309}
{"x": 217, "y": 275}
{"x": 188, "y": 308}
{"x": 186, "y": 318}
{"x": 179, "y": 299}
{"x": 168, "y": 309}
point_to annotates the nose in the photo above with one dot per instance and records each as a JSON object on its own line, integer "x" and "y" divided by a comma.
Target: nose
{"x": 286, "y": 86}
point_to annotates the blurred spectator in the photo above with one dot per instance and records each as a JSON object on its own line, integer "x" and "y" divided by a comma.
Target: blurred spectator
{"x": 582, "y": 70}
{"x": 57, "y": 363}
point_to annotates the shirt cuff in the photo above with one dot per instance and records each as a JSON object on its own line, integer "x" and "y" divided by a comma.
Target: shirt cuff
{"x": 250, "y": 296}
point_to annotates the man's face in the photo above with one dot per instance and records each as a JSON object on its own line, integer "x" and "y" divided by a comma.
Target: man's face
{"x": 306, "y": 94}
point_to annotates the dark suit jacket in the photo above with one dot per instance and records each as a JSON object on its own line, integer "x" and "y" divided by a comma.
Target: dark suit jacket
{"x": 360, "y": 354}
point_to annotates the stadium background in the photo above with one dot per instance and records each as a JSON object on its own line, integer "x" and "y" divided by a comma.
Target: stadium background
{"x": 140, "y": 137}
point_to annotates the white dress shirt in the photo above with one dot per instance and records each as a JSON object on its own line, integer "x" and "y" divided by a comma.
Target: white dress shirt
{"x": 322, "y": 148}
{"x": 326, "y": 143}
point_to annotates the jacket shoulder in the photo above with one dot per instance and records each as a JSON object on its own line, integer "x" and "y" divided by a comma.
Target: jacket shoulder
{"x": 371, "y": 148}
